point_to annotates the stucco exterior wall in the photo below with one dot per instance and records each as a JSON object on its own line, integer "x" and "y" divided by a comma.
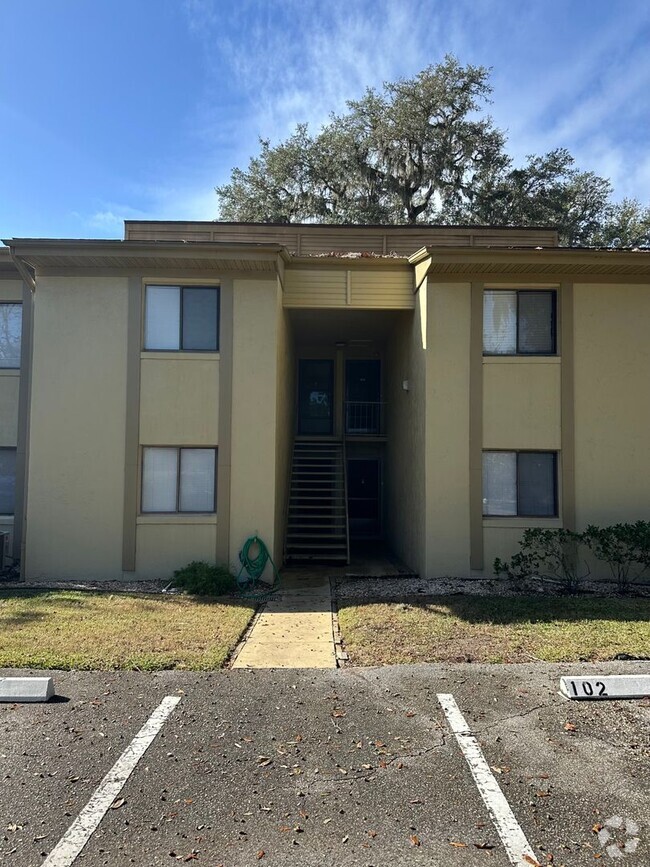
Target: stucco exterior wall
{"x": 179, "y": 399}
{"x": 521, "y": 403}
{"x": 76, "y": 471}
{"x": 405, "y": 428}
{"x": 612, "y": 409}
{"x": 165, "y": 544}
{"x": 254, "y": 415}
{"x": 447, "y": 428}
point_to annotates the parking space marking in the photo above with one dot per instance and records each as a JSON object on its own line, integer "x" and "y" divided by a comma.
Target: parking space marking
{"x": 75, "y": 838}
{"x": 517, "y": 847}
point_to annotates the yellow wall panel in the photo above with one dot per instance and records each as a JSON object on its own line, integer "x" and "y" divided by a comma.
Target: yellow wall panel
{"x": 78, "y": 415}
{"x": 179, "y": 401}
{"x": 521, "y": 404}
{"x": 612, "y": 403}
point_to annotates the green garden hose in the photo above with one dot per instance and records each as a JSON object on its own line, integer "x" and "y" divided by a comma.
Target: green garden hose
{"x": 254, "y": 564}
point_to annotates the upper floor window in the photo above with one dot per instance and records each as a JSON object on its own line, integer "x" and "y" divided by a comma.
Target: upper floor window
{"x": 519, "y": 322}
{"x": 7, "y": 480}
{"x": 182, "y": 318}
{"x": 11, "y": 322}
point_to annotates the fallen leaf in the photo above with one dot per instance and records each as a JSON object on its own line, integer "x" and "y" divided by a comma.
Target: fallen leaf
{"x": 531, "y": 861}
{"x": 326, "y": 821}
{"x": 458, "y": 845}
{"x": 543, "y": 794}
{"x": 415, "y": 840}
{"x": 484, "y": 845}
{"x": 345, "y": 839}
{"x": 117, "y": 803}
{"x": 597, "y": 827}
{"x": 569, "y": 727}
{"x": 337, "y": 714}
{"x": 192, "y": 856}
{"x": 372, "y": 834}
{"x": 261, "y": 854}
{"x": 410, "y": 713}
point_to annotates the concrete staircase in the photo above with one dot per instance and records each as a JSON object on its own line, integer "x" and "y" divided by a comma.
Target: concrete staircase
{"x": 317, "y": 524}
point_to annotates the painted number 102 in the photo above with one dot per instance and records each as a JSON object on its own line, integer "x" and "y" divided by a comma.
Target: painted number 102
{"x": 588, "y": 689}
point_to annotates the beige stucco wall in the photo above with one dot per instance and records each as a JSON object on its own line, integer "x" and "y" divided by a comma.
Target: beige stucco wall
{"x": 76, "y": 472}
{"x": 254, "y": 415}
{"x": 521, "y": 403}
{"x": 167, "y": 543}
{"x": 612, "y": 408}
{"x": 405, "y": 427}
{"x": 447, "y": 428}
{"x": 179, "y": 399}
{"x": 285, "y": 403}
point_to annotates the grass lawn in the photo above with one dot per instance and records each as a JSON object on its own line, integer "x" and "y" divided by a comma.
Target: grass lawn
{"x": 87, "y": 630}
{"x": 495, "y": 629}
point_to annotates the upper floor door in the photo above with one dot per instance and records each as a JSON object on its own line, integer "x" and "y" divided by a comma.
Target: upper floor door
{"x": 315, "y": 396}
{"x": 363, "y": 396}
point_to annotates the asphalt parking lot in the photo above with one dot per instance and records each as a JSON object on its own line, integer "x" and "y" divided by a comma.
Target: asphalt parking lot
{"x": 342, "y": 767}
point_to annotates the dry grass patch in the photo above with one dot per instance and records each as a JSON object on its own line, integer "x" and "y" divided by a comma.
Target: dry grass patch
{"x": 92, "y": 630}
{"x": 495, "y": 629}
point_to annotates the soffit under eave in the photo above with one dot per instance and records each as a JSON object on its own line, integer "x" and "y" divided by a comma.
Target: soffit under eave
{"x": 137, "y": 262}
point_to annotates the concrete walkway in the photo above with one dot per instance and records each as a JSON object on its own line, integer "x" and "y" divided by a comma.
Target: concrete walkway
{"x": 293, "y": 629}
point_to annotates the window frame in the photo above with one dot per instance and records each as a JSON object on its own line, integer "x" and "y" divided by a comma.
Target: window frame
{"x": 518, "y": 292}
{"x": 556, "y": 485}
{"x": 13, "y": 449}
{"x": 20, "y": 354}
{"x": 182, "y": 287}
{"x": 178, "y": 511}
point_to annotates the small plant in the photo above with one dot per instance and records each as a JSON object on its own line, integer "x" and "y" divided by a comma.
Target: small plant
{"x": 624, "y": 547}
{"x": 550, "y": 554}
{"x": 204, "y": 579}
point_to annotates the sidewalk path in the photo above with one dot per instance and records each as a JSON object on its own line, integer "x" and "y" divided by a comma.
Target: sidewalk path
{"x": 292, "y": 630}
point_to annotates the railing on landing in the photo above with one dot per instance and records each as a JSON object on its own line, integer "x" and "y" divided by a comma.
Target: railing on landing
{"x": 364, "y": 417}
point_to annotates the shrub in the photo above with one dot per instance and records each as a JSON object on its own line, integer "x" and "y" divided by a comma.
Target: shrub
{"x": 550, "y": 554}
{"x": 624, "y": 547}
{"x": 204, "y": 579}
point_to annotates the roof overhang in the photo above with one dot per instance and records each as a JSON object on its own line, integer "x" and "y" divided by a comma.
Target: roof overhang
{"x": 557, "y": 263}
{"x": 39, "y": 254}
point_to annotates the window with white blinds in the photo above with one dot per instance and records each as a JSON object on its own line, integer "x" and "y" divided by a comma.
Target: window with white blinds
{"x": 178, "y": 479}
{"x": 11, "y": 323}
{"x": 182, "y": 318}
{"x": 519, "y": 322}
{"x": 520, "y": 484}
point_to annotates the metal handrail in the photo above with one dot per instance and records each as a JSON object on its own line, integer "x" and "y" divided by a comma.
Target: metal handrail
{"x": 345, "y": 498}
{"x": 364, "y": 417}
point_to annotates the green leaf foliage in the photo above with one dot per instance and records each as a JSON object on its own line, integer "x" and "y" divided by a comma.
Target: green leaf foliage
{"x": 204, "y": 579}
{"x": 424, "y": 150}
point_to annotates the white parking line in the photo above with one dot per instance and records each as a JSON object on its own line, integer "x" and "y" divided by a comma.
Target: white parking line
{"x": 75, "y": 838}
{"x": 517, "y": 847}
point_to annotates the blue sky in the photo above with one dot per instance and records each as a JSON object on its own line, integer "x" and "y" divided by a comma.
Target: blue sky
{"x": 136, "y": 109}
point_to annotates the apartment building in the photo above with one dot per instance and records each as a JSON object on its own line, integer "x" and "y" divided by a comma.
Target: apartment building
{"x": 437, "y": 389}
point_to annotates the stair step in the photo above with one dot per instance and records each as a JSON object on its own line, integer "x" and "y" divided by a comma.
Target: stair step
{"x": 322, "y": 546}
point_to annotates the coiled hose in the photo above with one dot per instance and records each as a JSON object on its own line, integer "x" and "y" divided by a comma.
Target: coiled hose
{"x": 253, "y": 565}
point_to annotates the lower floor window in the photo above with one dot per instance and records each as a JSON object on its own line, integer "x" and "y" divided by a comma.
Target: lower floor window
{"x": 7, "y": 480}
{"x": 178, "y": 479}
{"x": 520, "y": 483}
